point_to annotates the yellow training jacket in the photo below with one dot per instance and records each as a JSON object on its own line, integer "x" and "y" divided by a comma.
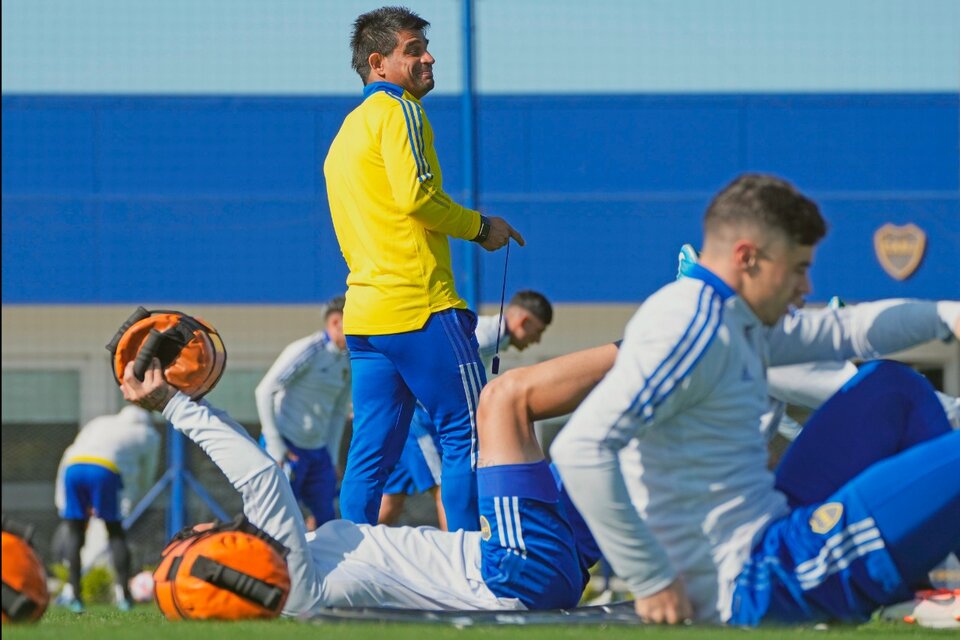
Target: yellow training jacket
{"x": 391, "y": 215}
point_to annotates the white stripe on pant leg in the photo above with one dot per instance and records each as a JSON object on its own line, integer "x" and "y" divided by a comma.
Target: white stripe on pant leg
{"x": 500, "y": 525}
{"x": 854, "y": 554}
{"x": 832, "y": 542}
{"x": 839, "y": 553}
{"x": 428, "y": 448}
{"x": 519, "y": 525}
{"x": 471, "y": 397}
{"x": 508, "y": 521}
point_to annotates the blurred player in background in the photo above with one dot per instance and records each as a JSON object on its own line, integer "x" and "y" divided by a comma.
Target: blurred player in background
{"x": 111, "y": 462}
{"x": 303, "y": 402}
{"x": 527, "y": 316}
{"x": 409, "y": 333}
{"x": 835, "y": 541}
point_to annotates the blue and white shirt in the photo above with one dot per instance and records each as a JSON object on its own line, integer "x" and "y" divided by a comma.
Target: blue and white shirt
{"x": 305, "y": 396}
{"x": 690, "y": 383}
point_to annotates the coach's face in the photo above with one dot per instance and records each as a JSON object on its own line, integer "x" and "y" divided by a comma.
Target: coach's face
{"x": 776, "y": 275}
{"x": 409, "y": 65}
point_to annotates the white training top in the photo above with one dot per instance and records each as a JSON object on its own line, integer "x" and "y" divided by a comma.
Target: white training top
{"x": 806, "y": 385}
{"x": 486, "y": 333}
{"x": 305, "y": 396}
{"x": 690, "y": 382}
{"x": 127, "y": 440}
{"x": 341, "y": 563}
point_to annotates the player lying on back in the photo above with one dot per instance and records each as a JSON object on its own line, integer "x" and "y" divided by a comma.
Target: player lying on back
{"x": 843, "y": 533}
{"x": 525, "y": 556}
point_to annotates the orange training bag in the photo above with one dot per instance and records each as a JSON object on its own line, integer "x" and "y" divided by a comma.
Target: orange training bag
{"x": 25, "y": 595}
{"x": 222, "y": 571}
{"x": 190, "y": 350}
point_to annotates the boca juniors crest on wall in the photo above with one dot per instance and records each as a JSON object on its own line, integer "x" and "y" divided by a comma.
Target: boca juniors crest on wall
{"x": 899, "y": 249}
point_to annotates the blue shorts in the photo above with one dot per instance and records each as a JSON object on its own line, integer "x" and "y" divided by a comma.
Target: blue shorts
{"x": 91, "y": 491}
{"x": 313, "y": 479}
{"x": 527, "y": 546}
{"x": 876, "y": 495}
{"x": 418, "y": 469}
{"x": 822, "y": 562}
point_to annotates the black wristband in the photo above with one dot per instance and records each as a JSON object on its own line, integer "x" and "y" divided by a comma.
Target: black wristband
{"x": 484, "y": 230}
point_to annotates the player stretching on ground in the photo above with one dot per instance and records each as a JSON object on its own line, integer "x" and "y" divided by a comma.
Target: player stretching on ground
{"x": 840, "y": 537}
{"x": 525, "y": 556}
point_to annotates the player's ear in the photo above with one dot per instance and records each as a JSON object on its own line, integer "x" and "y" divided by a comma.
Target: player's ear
{"x": 375, "y": 60}
{"x": 745, "y": 253}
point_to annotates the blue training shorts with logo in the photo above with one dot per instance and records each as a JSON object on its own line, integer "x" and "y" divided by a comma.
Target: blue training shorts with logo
{"x": 91, "y": 490}
{"x": 527, "y": 546}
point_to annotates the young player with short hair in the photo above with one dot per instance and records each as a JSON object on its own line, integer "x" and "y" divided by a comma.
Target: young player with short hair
{"x": 689, "y": 384}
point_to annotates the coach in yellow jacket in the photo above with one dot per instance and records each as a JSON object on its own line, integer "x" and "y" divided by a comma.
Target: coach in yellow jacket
{"x": 409, "y": 333}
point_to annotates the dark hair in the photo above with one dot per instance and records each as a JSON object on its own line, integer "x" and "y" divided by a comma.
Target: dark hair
{"x": 769, "y": 203}
{"x": 334, "y": 305}
{"x": 534, "y": 302}
{"x": 377, "y": 32}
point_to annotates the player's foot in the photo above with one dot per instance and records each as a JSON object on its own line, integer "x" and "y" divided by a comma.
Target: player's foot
{"x": 936, "y": 608}
{"x": 124, "y": 605}
{"x": 76, "y": 606}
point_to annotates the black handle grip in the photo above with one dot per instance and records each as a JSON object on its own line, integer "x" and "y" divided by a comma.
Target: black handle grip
{"x": 147, "y": 353}
{"x": 136, "y": 317}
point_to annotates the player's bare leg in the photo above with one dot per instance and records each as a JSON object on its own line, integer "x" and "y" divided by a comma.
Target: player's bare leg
{"x": 391, "y": 506}
{"x": 510, "y": 403}
{"x": 441, "y": 513}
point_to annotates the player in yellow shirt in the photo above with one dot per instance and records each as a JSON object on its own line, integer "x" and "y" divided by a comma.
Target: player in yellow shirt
{"x": 409, "y": 333}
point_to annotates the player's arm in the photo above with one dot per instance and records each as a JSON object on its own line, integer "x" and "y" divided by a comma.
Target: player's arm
{"x": 810, "y": 384}
{"x": 865, "y": 330}
{"x": 404, "y": 152}
{"x": 268, "y": 500}
{"x": 416, "y": 192}
{"x": 290, "y": 365}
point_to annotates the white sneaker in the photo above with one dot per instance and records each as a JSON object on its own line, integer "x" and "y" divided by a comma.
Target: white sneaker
{"x": 936, "y": 609}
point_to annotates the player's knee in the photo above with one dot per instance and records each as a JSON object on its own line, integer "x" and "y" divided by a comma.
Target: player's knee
{"x": 892, "y": 374}
{"x": 507, "y": 392}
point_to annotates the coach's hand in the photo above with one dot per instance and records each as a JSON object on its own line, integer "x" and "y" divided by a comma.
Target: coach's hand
{"x": 153, "y": 393}
{"x": 500, "y": 234}
{"x": 669, "y": 606}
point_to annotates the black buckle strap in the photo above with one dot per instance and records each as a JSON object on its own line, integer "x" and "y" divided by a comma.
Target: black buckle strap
{"x": 245, "y": 586}
{"x": 16, "y": 605}
{"x": 239, "y": 523}
{"x": 18, "y": 529}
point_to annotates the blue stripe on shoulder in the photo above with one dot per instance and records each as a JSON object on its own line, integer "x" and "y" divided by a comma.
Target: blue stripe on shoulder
{"x": 711, "y": 333}
{"x": 672, "y": 352}
{"x": 305, "y": 356}
{"x": 414, "y": 147}
{"x": 690, "y": 348}
{"x": 420, "y": 137}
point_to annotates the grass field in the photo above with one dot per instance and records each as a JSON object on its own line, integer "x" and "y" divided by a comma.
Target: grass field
{"x": 146, "y": 623}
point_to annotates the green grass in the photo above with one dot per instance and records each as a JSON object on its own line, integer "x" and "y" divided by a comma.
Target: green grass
{"x": 146, "y": 623}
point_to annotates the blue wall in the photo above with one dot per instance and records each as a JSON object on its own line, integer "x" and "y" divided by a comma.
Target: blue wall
{"x": 221, "y": 200}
